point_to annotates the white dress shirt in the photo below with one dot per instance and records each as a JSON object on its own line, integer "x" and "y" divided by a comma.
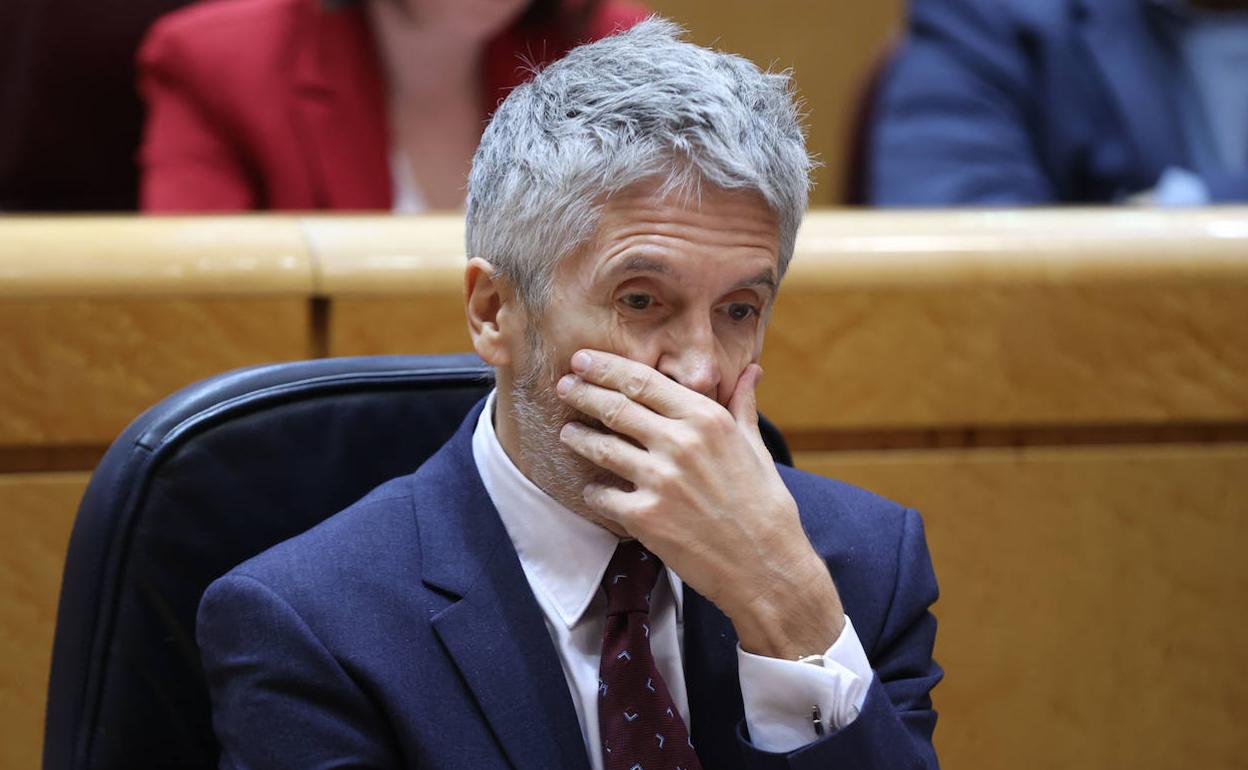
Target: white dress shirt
{"x": 564, "y": 557}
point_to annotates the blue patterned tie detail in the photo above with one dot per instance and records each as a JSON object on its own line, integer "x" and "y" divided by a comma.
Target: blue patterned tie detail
{"x": 640, "y": 727}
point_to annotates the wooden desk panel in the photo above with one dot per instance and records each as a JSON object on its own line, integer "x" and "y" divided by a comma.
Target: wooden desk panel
{"x": 36, "y": 516}
{"x": 394, "y": 284}
{"x": 901, "y": 357}
{"x": 1092, "y": 612}
{"x": 76, "y": 371}
{"x": 397, "y": 256}
{"x": 424, "y": 324}
{"x": 112, "y": 256}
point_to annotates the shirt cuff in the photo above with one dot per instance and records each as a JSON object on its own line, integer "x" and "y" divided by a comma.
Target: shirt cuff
{"x": 779, "y": 694}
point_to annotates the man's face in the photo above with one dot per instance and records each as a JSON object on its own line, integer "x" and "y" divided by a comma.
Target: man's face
{"x": 685, "y": 288}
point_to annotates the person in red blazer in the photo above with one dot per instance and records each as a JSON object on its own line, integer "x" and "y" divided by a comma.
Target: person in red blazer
{"x": 303, "y": 104}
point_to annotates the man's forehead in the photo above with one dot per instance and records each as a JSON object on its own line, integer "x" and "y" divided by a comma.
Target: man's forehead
{"x": 640, "y": 228}
{"x": 761, "y": 276}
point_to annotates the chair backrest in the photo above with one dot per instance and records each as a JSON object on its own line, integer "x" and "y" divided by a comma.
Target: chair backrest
{"x": 209, "y": 477}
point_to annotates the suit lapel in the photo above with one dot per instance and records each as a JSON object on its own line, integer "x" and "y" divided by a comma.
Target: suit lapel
{"x": 1120, "y": 40}
{"x": 340, "y": 109}
{"x": 494, "y": 632}
{"x": 711, "y": 678}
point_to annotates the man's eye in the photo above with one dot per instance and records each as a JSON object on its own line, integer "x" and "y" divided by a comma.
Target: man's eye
{"x": 739, "y": 311}
{"x": 637, "y": 301}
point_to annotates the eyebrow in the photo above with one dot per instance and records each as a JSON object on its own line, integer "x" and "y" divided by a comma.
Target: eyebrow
{"x": 766, "y": 278}
{"x": 643, "y": 264}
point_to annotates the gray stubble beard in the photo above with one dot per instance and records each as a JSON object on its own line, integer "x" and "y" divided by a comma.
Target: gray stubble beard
{"x": 540, "y": 416}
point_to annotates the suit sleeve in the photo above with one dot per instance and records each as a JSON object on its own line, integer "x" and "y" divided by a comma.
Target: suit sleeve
{"x": 952, "y": 117}
{"x": 187, "y": 162}
{"x": 894, "y": 729}
{"x": 279, "y": 698}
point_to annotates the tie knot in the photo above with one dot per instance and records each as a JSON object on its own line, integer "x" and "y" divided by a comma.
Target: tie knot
{"x": 630, "y": 577}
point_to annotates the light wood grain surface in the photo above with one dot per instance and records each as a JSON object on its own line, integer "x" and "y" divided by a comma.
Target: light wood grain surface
{"x": 1025, "y": 354}
{"x": 36, "y": 515}
{"x": 423, "y": 323}
{"x": 77, "y": 371}
{"x": 91, "y": 256}
{"x": 398, "y": 256}
{"x": 1092, "y": 609}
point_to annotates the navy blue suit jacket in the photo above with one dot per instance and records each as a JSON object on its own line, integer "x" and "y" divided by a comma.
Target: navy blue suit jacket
{"x": 1010, "y": 102}
{"x": 402, "y": 632}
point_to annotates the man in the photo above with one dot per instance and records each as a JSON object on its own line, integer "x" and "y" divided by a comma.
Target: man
{"x": 602, "y": 568}
{"x": 1016, "y": 102}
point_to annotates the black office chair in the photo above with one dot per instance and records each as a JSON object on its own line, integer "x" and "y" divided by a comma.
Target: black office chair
{"x": 207, "y": 478}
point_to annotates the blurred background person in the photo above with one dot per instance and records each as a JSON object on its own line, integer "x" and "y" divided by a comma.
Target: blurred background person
{"x": 1016, "y": 102}
{"x": 303, "y": 104}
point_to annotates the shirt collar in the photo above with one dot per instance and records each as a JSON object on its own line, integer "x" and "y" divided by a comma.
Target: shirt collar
{"x": 561, "y": 551}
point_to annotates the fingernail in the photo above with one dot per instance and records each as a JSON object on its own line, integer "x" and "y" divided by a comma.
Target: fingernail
{"x": 565, "y": 384}
{"x": 581, "y": 361}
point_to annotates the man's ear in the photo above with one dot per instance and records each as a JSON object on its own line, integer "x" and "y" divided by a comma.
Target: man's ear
{"x": 489, "y": 302}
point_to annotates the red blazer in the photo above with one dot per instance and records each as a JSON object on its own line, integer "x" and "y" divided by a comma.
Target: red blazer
{"x": 278, "y": 104}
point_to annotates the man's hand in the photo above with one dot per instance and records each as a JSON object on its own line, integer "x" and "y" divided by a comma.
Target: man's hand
{"x": 707, "y": 499}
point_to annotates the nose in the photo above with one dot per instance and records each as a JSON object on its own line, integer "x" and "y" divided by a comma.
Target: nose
{"x": 689, "y": 357}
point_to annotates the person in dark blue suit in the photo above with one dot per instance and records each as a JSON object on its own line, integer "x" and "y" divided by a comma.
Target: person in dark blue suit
{"x": 1016, "y": 102}
{"x": 603, "y": 568}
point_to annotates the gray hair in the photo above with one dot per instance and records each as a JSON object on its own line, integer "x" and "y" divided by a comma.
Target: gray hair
{"x": 639, "y": 105}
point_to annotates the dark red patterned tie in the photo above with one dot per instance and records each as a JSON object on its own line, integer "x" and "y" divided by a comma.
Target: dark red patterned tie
{"x": 640, "y": 726}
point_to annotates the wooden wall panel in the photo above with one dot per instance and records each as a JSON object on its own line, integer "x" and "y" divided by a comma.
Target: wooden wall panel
{"x": 36, "y": 515}
{"x": 974, "y": 355}
{"x": 1092, "y": 611}
{"x": 984, "y": 318}
{"x": 76, "y": 371}
{"x": 395, "y": 285}
{"x": 425, "y": 324}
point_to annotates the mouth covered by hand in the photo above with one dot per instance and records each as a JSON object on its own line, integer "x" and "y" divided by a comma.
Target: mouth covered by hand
{"x": 703, "y": 495}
